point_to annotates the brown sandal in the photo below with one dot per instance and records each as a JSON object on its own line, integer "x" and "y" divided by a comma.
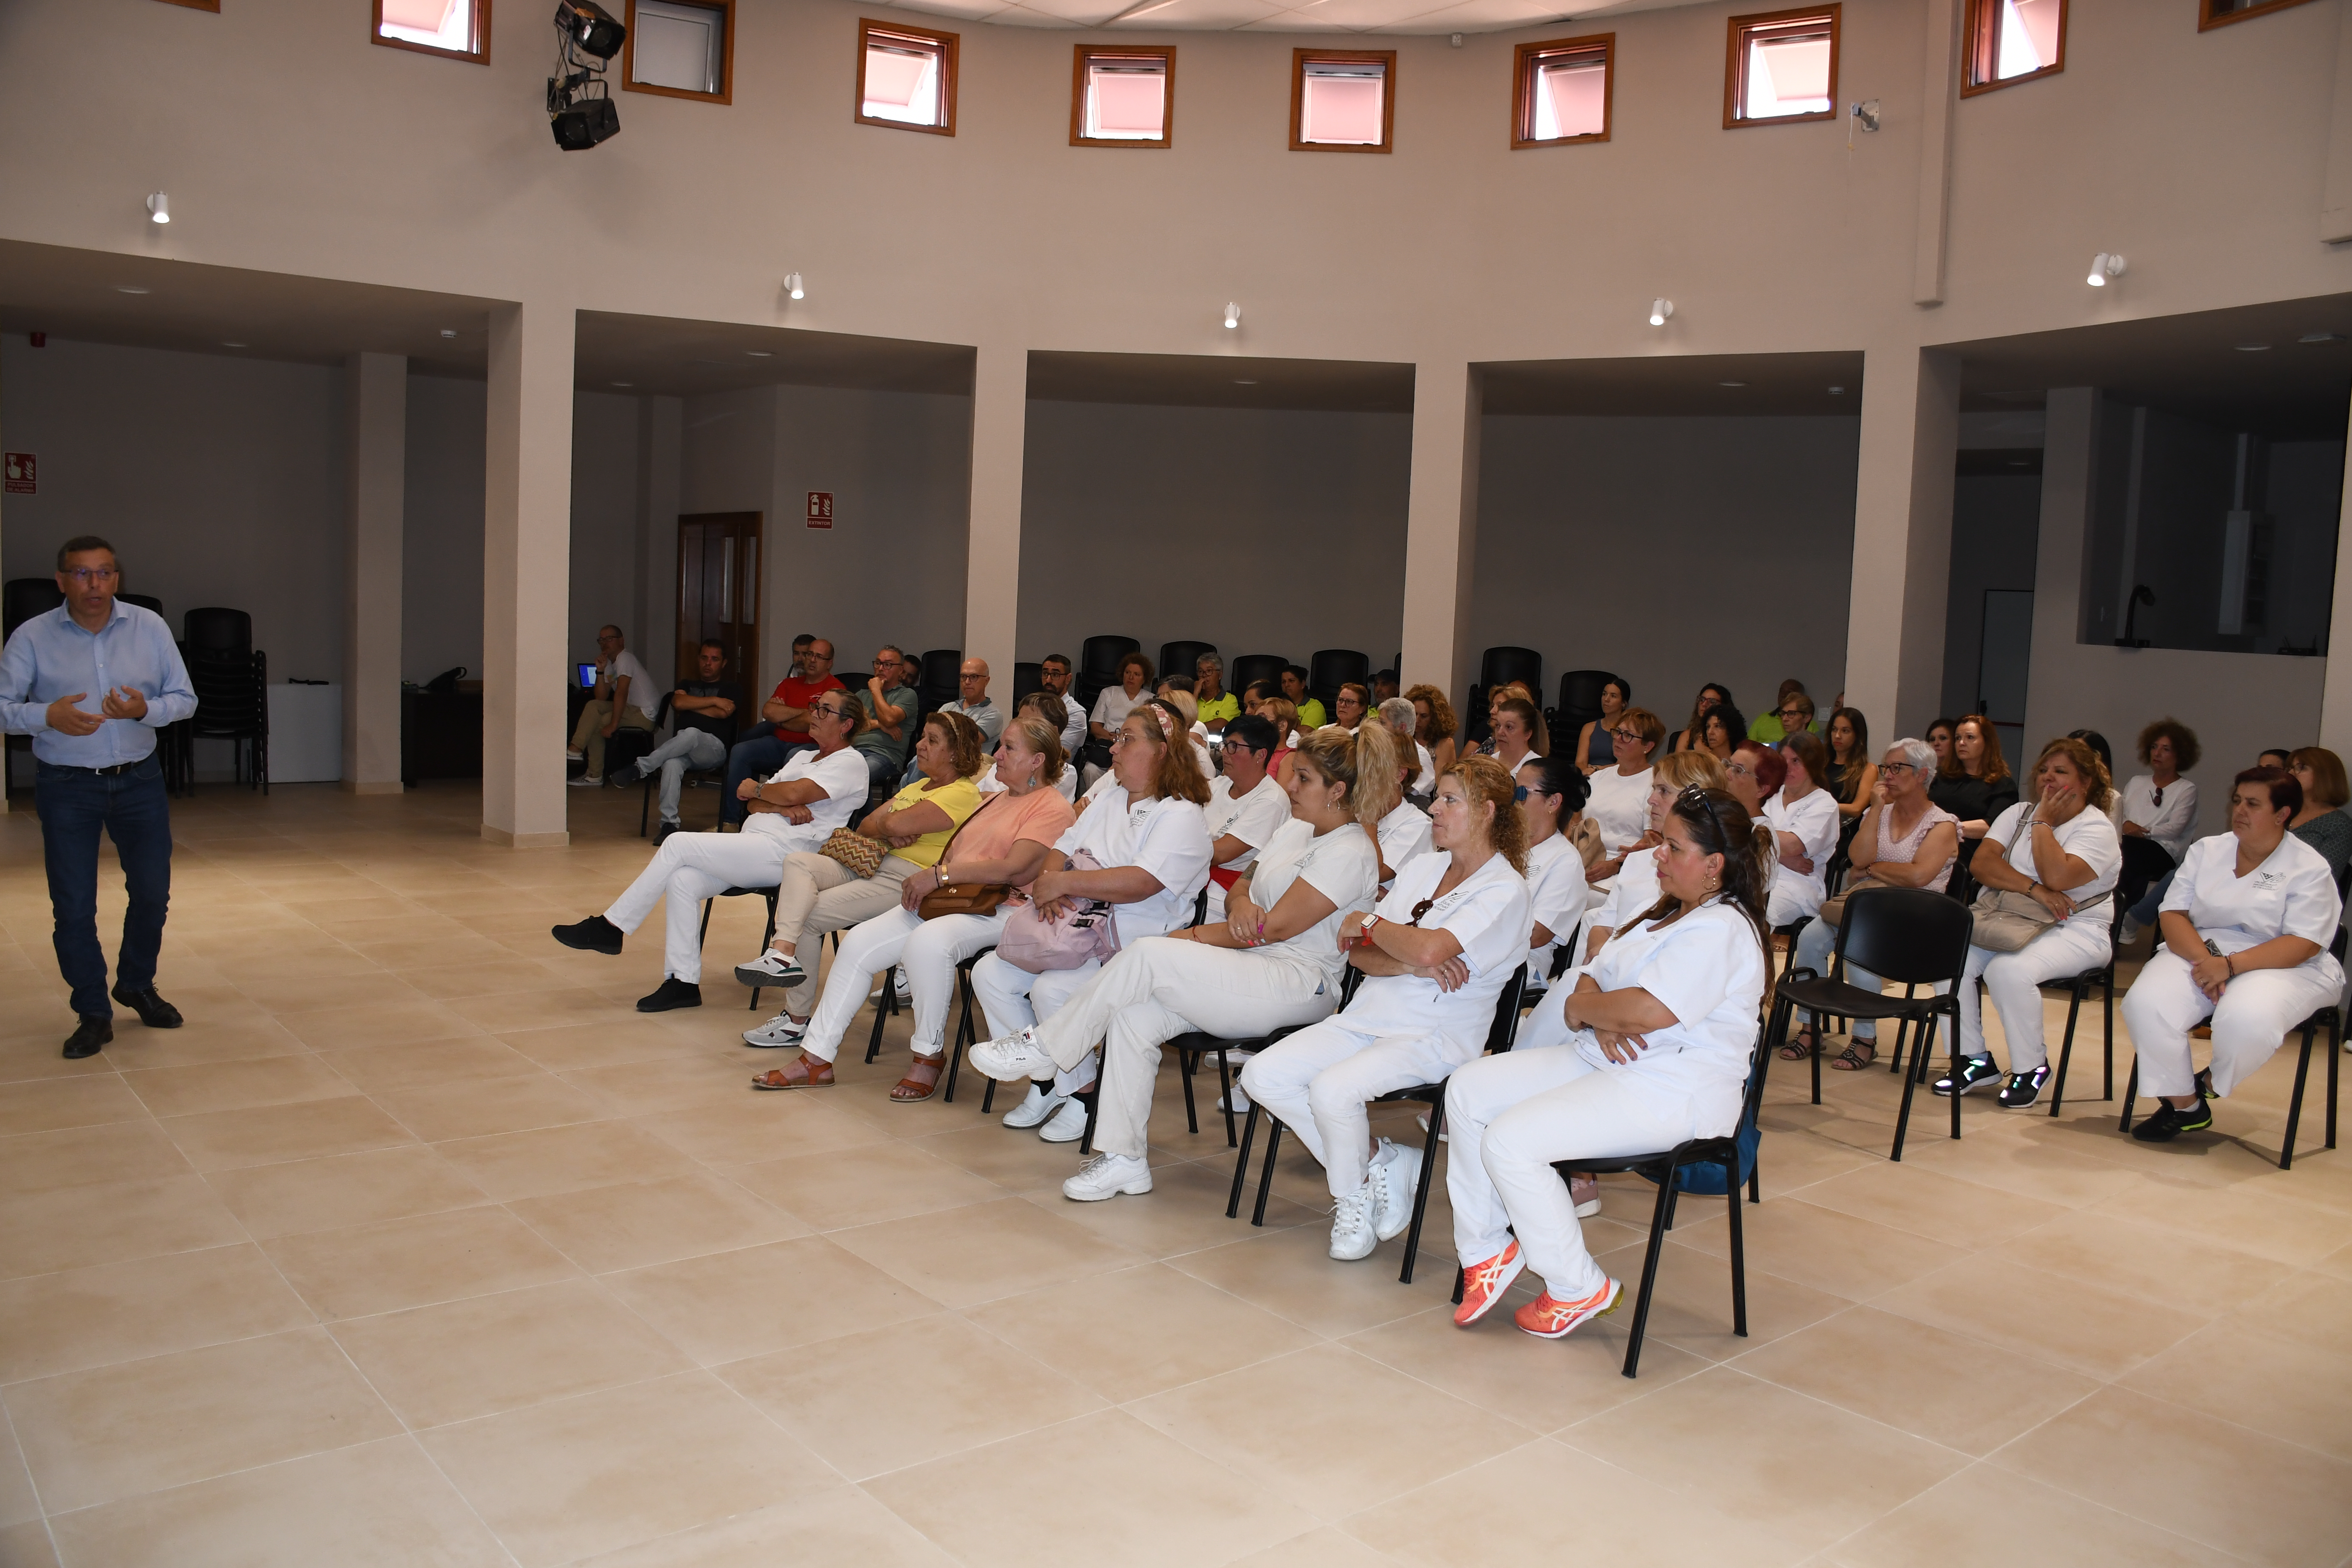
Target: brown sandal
{"x": 914, "y": 1087}
{"x": 801, "y": 1072}
{"x": 1858, "y": 1055}
{"x": 1795, "y": 1052}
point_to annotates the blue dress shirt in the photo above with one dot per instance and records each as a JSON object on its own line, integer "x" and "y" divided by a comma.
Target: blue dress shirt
{"x": 51, "y": 656}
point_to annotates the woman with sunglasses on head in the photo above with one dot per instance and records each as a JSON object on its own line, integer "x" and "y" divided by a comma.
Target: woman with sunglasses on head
{"x": 1635, "y": 886}
{"x": 1620, "y": 802}
{"x": 1551, "y": 794}
{"x": 1436, "y": 954}
{"x": 1594, "y": 749}
{"x": 1648, "y": 1048}
{"x": 1804, "y": 821}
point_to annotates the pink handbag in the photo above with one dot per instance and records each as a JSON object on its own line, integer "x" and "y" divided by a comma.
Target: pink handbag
{"x": 1087, "y": 929}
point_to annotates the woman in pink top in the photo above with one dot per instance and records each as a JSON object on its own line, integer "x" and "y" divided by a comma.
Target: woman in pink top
{"x": 1004, "y": 843}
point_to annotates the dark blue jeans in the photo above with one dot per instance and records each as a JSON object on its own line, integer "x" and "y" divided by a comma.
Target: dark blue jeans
{"x": 133, "y": 809}
{"x": 757, "y": 757}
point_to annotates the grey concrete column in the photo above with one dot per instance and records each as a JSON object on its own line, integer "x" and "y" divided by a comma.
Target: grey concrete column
{"x": 375, "y": 403}
{"x": 1441, "y": 539}
{"x": 1000, "y": 427}
{"x": 1901, "y": 538}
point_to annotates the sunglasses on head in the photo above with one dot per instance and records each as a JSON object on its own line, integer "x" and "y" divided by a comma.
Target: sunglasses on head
{"x": 1693, "y": 795}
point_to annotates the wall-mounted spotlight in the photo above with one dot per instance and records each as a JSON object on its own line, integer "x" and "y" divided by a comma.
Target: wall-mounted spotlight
{"x": 793, "y": 286}
{"x": 1660, "y": 309}
{"x": 2104, "y": 266}
{"x": 1233, "y": 316}
{"x": 580, "y": 109}
{"x": 159, "y": 207}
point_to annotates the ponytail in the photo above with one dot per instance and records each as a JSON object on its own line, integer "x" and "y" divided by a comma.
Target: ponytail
{"x": 1366, "y": 759}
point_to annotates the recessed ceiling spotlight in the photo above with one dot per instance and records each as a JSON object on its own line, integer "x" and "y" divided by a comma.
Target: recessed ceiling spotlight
{"x": 225, "y": 343}
{"x": 2104, "y": 266}
{"x": 760, "y": 354}
{"x": 2253, "y": 348}
{"x": 1238, "y": 382}
{"x": 159, "y": 207}
{"x": 1732, "y": 384}
{"x": 128, "y": 289}
{"x": 2321, "y": 338}
{"x": 448, "y": 332}
{"x": 624, "y": 383}
{"x": 1837, "y": 392}
{"x": 1660, "y": 308}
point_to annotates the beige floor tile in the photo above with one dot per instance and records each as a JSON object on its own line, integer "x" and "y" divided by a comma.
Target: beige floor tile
{"x": 1690, "y": 1306}
{"x": 1325, "y": 1547}
{"x": 2310, "y": 1309}
{"x": 1855, "y": 1259}
{"x": 30, "y": 1056}
{"x": 201, "y": 1040}
{"x": 1926, "y": 1202}
{"x": 1014, "y": 1160}
{"x": 375, "y": 1505}
{"x": 2223, "y": 1486}
{"x": 388, "y": 1069}
{"x": 752, "y": 1127}
{"x": 27, "y": 1545}
{"x": 888, "y": 1398}
{"x": 151, "y": 1306}
{"x": 2267, "y": 1222}
{"x": 342, "y": 1190}
{"x": 1541, "y": 1385}
{"x": 51, "y": 1105}
{"x": 726, "y": 1306}
{"x": 487, "y": 970}
{"x": 666, "y": 1083}
{"x": 17, "y": 1501}
{"x": 1989, "y": 1518}
{"x": 964, "y": 1256}
{"x": 1140, "y": 1331}
{"x": 88, "y": 1156}
{"x": 2123, "y": 1254}
{"x": 2039, "y": 1163}
{"x": 481, "y": 1108}
{"x": 75, "y": 1227}
{"x": 378, "y": 1024}
{"x": 1155, "y": 1502}
{"x": 571, "y": 1047}
{"x": 539, "y": 1009}
{"x": 609, "y": 1469}
{"x": 1480, "y": 1515}
{"x": 1827, "y": 1474}
{"x": 636, "y": 1224}
{"x": 235, "y": 1086}
{"x": 2098, "y": 1332}
{"x": 302, "y": 991}
{"x": 1919, "y": 1379}
{"x": 265, "y": 1134}
{"x": 817, "y": 1528}
{"x": 135, "y": 1427}
{"x": 1291, "y": 1274}
{"x": 2294, "y": 1392}
{"x": 512, "y": 1165}
{"x": 434, "y": 953}
{"x": 459, "y": 1360}
{"x": 1185, "y": 1211}
{"x": 864, "y": 1185}
{"x": 412, "y": 1262}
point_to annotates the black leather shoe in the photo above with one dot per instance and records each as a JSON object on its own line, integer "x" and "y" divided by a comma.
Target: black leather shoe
{"x": 94, "y": 1035}
{"x": 674, "y": 993}
{"x": 594, "y": 934}
{"x": 153, "y": 1010}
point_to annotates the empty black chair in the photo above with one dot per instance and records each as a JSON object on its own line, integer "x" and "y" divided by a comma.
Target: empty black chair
{"x": 935, "y": 682}
{"x": 148, "y": 601}
{"x": 1332, "y": 668}
{"x": 1182, "y": 658}
{"x": 1579, "y": 700}
{"x": 20, "y": 601}
{"x": 231, "y": 682}
{"x": 1252, "y": 667}
{"x": 1099, "y": 662}
{"x": 1027, "y": 677}
{"x": 1500, "y": 667}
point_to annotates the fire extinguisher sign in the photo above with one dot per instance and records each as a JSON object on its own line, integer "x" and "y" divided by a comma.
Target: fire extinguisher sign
{"x": 820, "y": 507}
{"x": 19, "y": 467}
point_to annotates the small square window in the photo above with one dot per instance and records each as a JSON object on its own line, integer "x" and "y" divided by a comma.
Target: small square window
{"x": 1342, "y": 100}
{"x": 212, "y": 5}
{"x": 906, "y": 77}
{"x": 1562, "y": 96}
{"x": 2012, "y": 41}
{"x": 1781, "y": 69}
{"x": 1123, "y": 97}
{"x": 2219, "y": 12}
{"x": 459, "y": 29}
{"x": 682, "y": 48}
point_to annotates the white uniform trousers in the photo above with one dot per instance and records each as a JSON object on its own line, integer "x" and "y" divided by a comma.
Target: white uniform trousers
{"x": 926, "y": 952}
{"x": 1508, "y": 1118}
{"x": 1320, "y": 1079}
{"x": 2015, "y": 980}
{"x": 1132, "y": 1007}
{"x": 690, "y": 867}
{"x": 2255, "y": 1012}
{"x": 1014, "y": 999}
{"x": 1794, "y": 898}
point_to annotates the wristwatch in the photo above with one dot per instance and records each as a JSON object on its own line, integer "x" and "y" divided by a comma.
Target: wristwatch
{"x": 1364, "y": 932}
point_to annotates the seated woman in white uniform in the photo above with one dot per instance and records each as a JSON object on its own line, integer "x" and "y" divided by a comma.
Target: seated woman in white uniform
{"x": 1636, "y": 886}
{"x": 1435, "y": 953}
{"x": 1620, "y": 802}
{"x": 1246, "y": 807}
{"x": 1551, "y": 792}
{"x": 1002, "y": 845}
{"x": 1804, "y": 821}
{"x": 1905, "y": 840}
{"x": 1151, "y": 842}
{"x": 2058, "y": 849}
{"x": 1274, "y": 963}
{"x": 797, "y": 808}
{"x": 2246, "y": 927}
{"x": 1648, "y": 1048}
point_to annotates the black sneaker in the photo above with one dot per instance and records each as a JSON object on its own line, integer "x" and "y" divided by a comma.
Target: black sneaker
{"x": 2168, "y": 1124}
{"x": 2205, "y": 1083}
{"x": 665, "y": 830}
{"x": 2023, "y": 1087}
{"x": 673, "y": 994}
{"x": 594, "y": 934}
{"x": 1975, "y": 1073}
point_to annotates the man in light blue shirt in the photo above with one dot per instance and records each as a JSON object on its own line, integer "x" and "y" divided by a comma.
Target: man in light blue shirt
{"x": 91, "y": 681}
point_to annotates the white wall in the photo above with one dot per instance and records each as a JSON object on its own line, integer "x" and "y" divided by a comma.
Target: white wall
{"x": 1261, "y": 530}
{"x": 606, "y": 523}
{"x": 1673, "y": 552}
{"x": 1995, "y": 524}
{"x": 441, "y": 602}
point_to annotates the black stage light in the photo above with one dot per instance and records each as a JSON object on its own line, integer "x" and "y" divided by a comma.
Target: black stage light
{"x": 581, "y": 124}
{"x": 580, "y": 109}
{"x": 589, "y": 28}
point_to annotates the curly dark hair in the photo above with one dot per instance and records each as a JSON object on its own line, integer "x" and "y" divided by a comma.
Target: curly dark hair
{"x": 2185, "y": 749}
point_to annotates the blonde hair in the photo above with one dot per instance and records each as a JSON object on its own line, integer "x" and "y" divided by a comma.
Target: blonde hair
{"x": 1485, "y": 780}
{"x": 1680, "y": 770}
{"x": 1185, "y": 704}
{"x": 1045, "y": 738}
{"x": 1284, "y": 713}
{"x": 1365, "y": 759}
{"x": 1177, "y": 775}
{"x": 1442, "y": 721}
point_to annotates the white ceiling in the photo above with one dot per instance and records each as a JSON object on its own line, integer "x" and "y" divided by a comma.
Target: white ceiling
{"x": 1289, "y": 16}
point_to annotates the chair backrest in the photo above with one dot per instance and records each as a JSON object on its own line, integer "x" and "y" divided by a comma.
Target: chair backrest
{"x": 1100, "y": 656}
{"x": 24, "y": 597}
{"x": 1182, "y": 658}
{"x": 1505, "y": 1027}
{"x": 1502, "y": 666}
{"x": 145, "y": 601}
{"x": 1028, "y": 675}
{"x": 937, "y": 683}
{"x": 2145, "y": 863}
{"x": 214, "y": 633}
{"x": 1909, "y": 935}
{"x": 1579, "y": 700}
{"x": 1252, "y": 667}
{"x": 1332, "y": 668}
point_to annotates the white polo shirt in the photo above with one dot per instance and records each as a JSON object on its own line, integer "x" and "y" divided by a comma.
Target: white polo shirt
{"x": 1339, "y": 865}
{"x": 1405, "y": 835}
{"x": 1487, "y": 914}
{"x": 1556, "y": 894}
{"x": 843, "y": 776}
{"x": 1168, "y": 839}
{"x": 2290, "y": 894}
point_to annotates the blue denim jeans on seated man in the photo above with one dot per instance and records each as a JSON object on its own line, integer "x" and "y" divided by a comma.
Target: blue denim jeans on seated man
{"x": 133, "y": 809}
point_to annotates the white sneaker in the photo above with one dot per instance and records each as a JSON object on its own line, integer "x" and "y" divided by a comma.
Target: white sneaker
{"x": 587, "y": 781}
{"x": 1351, "y": 1224}
{"x": 1422, "y": 1121}
{"x": 1067, "y": 1126}
{"x": 1106, "y": 1176}
{"x": 1014, "y": 1057}
{"x": 2128, "y": 932}
{"x": 906, "y": 990}
{"x": 1239, "y": 1096}
{"x": 574, "y": 754}
{"x": 771, "y": 968}
{"x": 1395, "y": 1174}
{"x": 784, "y": 1029}
{"x": 1040, "y": 1104}
{"x": 1585, "y": 1194}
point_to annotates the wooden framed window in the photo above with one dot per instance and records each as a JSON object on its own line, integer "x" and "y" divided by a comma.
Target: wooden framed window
{"x": 2010, "y": 41}
{"x": 212, "y": 5}
{"x": 681, "y": 48}
{"x": 2221, "y": 13}
{"x": 1562, "y": 93}
{"x": 1782, "y": 67}
{"x": 906, "y": 77}
{"x": 455, "y": 29}
{"x": 1342, "y": 100}
{"x": 1123, "y": 96}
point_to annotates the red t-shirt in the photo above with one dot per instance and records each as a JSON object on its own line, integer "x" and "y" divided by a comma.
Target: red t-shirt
{"x": 800, "y": 693}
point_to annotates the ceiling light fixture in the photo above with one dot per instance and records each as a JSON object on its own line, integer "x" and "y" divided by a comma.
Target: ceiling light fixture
{"x": 1233, "y": 316}
{"x": 1732, "y": 384}
{"x": 159, "y": 207}
{"x": 1660, "y": 308}
{"x": 760, "y": 354}
{"x": 793, "y": 286}
{"x": 580, "y": 108}
{"x": 128, "y": 289}
{"x": 230, "y": 346}
{"x": 2104, "y": 266}
{"x": 2321, "y": 338}
{"x": 2253, "y": 348}
{"x": 448, "y": 332}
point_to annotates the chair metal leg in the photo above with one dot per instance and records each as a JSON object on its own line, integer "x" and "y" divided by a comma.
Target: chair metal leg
{"x": 768, "y": 936}
{"x": 2295, "y": 1105}
{"x": 704, "y": 936}
{"x": 2065, "y": 1049}
{"x": 1186, "y": 1062}
{"x": 1738, "y": 1255}
{"x": 1241, "y": 1163}
{"x": 1662, "y": 1218}
{"x": 1926, "y": 1039}
{"x": 1818, "y": 1023}
{"x": 2131, "y": 1093}
{"x": 1094, "y": 1109}
{"x": 1421, "y": 1190}
{"x": 963, "y": 1022}
{"x": 2334, "y": 1051}
{"x": 1902, "y": 1116}
{"x": 1265, "y": 1176}
{"x": 1226, "y": 1094}
{"x": 2107, "y": 1008}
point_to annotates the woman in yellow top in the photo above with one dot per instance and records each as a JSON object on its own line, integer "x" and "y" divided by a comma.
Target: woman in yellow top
{"x": 819, "y": 894}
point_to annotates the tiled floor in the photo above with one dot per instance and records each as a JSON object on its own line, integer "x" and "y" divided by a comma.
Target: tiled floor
{"x": 419, "y": 1245}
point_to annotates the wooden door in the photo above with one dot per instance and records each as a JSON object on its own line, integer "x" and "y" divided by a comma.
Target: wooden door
{"x": 718, "y": 597}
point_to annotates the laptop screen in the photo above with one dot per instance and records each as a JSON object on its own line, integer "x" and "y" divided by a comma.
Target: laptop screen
{"x": 587, "y": 677}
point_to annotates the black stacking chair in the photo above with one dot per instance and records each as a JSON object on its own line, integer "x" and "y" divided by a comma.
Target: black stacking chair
{"x": 967, "y": 1032}
{"x": 1182, "y": 658}
{"x": 1914, "y": 938}
{"x": 1500, "y": 667}
{"x": 768, "y": 893}
{"x": 1099, "y": 662}
{"x": 20, "y": 600}
{"x": 1253, "y": 667}
{"x": 230, "y": 679}
{"x": 1332, "y": 668}
{"x": 935, "y": 686}
{"x": 1580, "y": 702}
{"x": 1028, "y": 675}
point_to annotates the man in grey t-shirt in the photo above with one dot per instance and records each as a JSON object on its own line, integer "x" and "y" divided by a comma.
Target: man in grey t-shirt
{"x": 890, "y": 704}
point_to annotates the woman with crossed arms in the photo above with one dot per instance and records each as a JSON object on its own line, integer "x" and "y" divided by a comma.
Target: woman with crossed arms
{"x": 1273, "y": 963}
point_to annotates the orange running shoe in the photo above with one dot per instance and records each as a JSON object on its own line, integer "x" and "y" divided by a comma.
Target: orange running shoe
{"x": 1482, "y": 1284}
{"x": 1550, "y": 1319}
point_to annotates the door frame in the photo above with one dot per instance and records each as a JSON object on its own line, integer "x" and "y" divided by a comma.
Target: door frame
{"x": 748, "y": 677}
